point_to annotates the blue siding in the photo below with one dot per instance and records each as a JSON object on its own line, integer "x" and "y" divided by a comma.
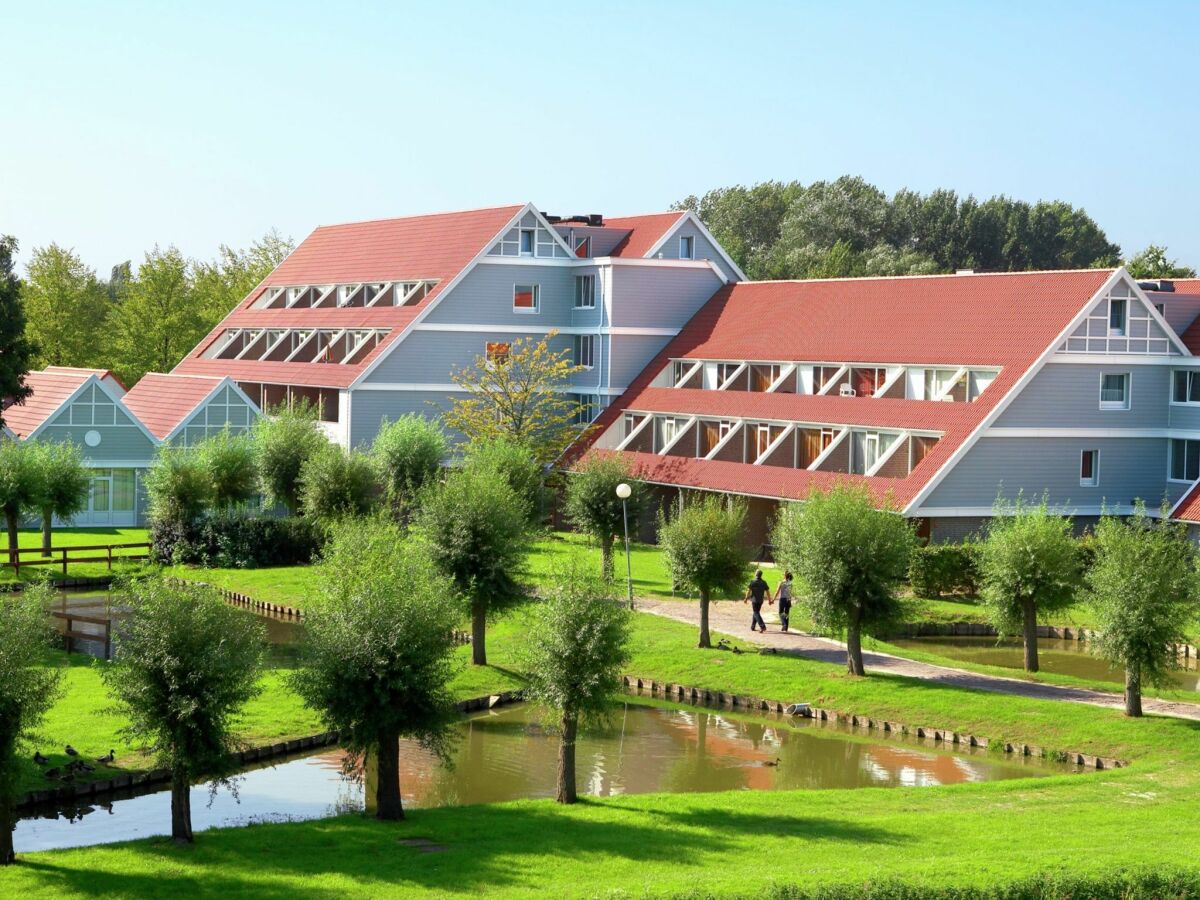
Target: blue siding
{"x": 702, "y": 248}
{"x": 429, "y": 357}
{"x": 660, "y": 296}
{"x": 369, "y": 408}
{"x": 631, "y": 354}
{"x": 485, "y": 296}
{"x": 1068, "y": 395}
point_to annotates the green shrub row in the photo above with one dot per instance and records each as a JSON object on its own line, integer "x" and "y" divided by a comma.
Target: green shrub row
{"x": 937, "y": 570}
{"x": 235, "y": 541}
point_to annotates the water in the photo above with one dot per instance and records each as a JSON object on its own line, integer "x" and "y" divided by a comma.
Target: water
{"x": 507, "y": 754}
{"x": 1057, "y": 656}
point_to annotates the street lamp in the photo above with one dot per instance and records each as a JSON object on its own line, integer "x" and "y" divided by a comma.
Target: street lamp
{"x": 624, "y": 491}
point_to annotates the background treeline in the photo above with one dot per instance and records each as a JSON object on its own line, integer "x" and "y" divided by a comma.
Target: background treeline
{"x": 847, "y": 228}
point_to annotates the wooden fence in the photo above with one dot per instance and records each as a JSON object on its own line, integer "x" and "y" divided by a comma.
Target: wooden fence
{"x": 64, "y": 556}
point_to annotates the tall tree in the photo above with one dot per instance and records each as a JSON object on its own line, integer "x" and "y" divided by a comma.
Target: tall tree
{"x": 186, "y": 664}
{"x": 283, "y": 440}
{"x": 704, "y": 548}
{"x": 1029, "y": 567}
{"x": 1153, "y": 262}
{"x": 158, "y": 322}
{"x": 19, "y": 484}
{"x": 409, "y": 453}
{"x": 219, "y": 285}
{"x": 850, "y": 560}
{"x": 592, "y": 504}
{"x": 378, "y": 651}
{"x": 1145, "y": 590}
{"x": 63, "y": 483}
{"x": 518, "y": 393}
{"x": 518, "y": 465}
{"x": 228, "y": 461}
{"x": 65, "y": 307}
{"x": 15, "y": 347}
{"x": 576, "y": 644}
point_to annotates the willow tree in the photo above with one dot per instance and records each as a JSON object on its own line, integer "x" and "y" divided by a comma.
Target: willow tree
{"x": 19, "y": 486}
{"x": 63, "y": 483}
{"x": 592, "y": 504}
{"x": 409, "y": 454}
{"x": 283, "y": 441}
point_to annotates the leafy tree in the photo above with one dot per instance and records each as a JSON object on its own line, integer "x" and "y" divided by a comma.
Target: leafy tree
{"x": 335, "y": 483}
{"x": 409, "y": 454}
{"x": 27, "y": 691}
{"x": 378, "y": 651}
{"x": 228, "y": 460}
{"x": 746, "y": 221}
{"x": 1029, "y": 566}
{"x": 283, "y": 440}
{"x": 475, "y": 528}
{"x": 178, "y": 486}
{"x": 1145, "y": 590}
{"x": 159, "y": 321}
{"x": 518, "y": 465}
{"x": 186, "y": 663}
{"x": 850, "y": 560}
{"x": 592, "y": 504}
{"x": 218, "y": 286}
{"x": 519, "y": 395}
{"x": 704, "y": 548}
{"x": 15, "y": 347}
{"x": 19, "y": 483}
{"x": 576, "y": 645}
{"x": 1154, "y": 263}
{"x": 65, "y": 307}
{"x": 63, "y": 483}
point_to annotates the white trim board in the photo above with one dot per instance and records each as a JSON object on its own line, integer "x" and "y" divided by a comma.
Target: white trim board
{"x": 987, "y": 512}
{"x": 627, "y": 330}
{"x": 109, "y": 391}
{"x": 1089, "y": 433}
{"x": 1120, "y": 359}
{"x": 451, "y": 388}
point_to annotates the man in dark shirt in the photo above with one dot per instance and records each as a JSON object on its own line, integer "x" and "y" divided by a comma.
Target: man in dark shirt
{"x": 756, "y": 592}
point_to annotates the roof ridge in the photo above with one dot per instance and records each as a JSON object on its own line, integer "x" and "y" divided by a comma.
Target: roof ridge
{"x": 1107, "y": 270}
{"x": 428, "y": 215}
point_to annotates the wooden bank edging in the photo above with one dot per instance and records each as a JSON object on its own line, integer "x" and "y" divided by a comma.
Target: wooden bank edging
{"x": 92, "y": 581}
{"x": 248, "y": 755}
{"x": 952, "y": 739}
{"x": 984, "y": 629}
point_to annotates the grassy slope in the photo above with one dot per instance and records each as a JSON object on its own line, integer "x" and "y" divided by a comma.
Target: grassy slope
{"x": 72, "y": 537}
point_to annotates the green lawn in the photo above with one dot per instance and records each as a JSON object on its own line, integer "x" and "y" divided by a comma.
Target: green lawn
{"x": 95, "y": 536}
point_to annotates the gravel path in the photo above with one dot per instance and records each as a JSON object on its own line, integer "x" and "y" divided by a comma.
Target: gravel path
{"x": 733, "y": 618}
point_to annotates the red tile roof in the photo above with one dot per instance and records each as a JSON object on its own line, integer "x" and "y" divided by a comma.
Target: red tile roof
{"x": 162, "y": 401}
{"x": 414, "y": 248}
{"x": 50, "y": 390}
{"x": 1005, "y": 320}
{"x": 99, "y": 373}
{"x": 1190, "y": 287}
{"x": 1188, "y": 507}
{"x": 644, "y": 232}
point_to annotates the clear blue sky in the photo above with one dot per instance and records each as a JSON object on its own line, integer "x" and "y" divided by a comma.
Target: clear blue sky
{"x": 127, "y": 124}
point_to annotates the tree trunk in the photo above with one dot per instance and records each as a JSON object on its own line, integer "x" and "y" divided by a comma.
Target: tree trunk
{"x": 7, "y": 856}
{"x": 606, "y": 556}
{"x": 1030, "y": 627}
{"x": 388, "y": 805}
{"x": 181, "y": 808}
{"x": 566, "y": 759}
{"x": 47, "y": 527}
{"x": 1133, "y": 689}
{"x": 854, "y": 659}
{"x": 478, "y": 634}
{"x": 705, "y": 642}
{"x": 10, "y": 519}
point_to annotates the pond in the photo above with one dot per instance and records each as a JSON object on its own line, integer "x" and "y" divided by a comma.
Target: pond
{"x": 1057, "y": 656}
{"x": 507, "y": 754}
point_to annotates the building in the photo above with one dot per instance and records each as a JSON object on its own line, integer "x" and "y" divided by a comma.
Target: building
{"x": 938, "y": 392}
{"x": 369, "y": 320}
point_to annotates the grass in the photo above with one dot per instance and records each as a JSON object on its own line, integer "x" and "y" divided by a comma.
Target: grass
{"x": 95, "y": 536}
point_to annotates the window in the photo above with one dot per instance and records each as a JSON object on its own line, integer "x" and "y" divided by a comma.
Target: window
{"x": 585, "y": 291}
{"x": 1116, "y": 315}
{"x": 725, "y": 372}
{"x": 497, "y": 352}
{"x": 667, "y": 431}
{"x": 1185, "y": 460}
{"x": 1089, "y": 468}
{"x": 870, "y": 451}
{"x": 1114, "y": 390}
{"x": 585, "y": 411}
{"x": 526, "y": 242}
{"x": 1160, "y": 308}
{"x": 687, "y": 247}
{"x": 938, "y": 382}
{"x": 585, "y": 350}
{"x": 822, "y": 375}
{"x": 826, "y": 437}
{"x": 583, "y": 247}
{"x": 92, "y": 407}
{"x": 762, "y": 440}
{"x": 1187, "y": 388}
{"x": 525, "y": 298}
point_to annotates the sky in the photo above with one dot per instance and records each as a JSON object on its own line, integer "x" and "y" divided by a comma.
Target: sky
{"x": 127, "y": 125}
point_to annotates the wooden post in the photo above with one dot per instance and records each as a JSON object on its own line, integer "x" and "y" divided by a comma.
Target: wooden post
{"x": 64, "y": 560}
{"x": 16, "y": 561}
{"x": 110, "y": 557}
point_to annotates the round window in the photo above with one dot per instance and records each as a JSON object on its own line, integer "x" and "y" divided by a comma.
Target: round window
{"x": 92, "y": 438}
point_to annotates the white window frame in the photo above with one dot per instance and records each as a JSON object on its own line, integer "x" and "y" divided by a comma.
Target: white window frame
{"x": 1123, "y": 331}
{"x": 590, "y": 298}
{"x": 521, "y": 232}
{"x": 537, "y": 300}
{"x": 588, "y": 341}
{"x": 1171, "y": 460}
{"x": 690, "y": 240}
{"x": 1094, "y": 481}
{"x": 1191, "y": 375}
{"x": 1113, "y": 405}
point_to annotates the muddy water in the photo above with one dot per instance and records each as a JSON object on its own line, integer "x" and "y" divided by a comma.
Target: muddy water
{"x": 508, "y": 754}
{"x": 1059, "y": 657}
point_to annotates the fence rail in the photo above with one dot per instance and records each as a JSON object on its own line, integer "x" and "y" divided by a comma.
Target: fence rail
{"x": 63, "y": 556}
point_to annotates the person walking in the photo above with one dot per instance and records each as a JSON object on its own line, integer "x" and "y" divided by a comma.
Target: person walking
{"x": 756, "y": 592}
{"x": 784, "y": 595}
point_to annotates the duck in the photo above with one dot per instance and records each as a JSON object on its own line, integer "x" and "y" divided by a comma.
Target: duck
{"x": 70, "y": 751}
{"x": 39, "y": 759}
{"x": 107, "y": 759}
{"x": 770, "y": 763}
{"x": 53, "y": 773}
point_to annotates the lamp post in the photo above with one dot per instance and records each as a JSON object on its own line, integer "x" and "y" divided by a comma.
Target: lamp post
{"x": 623, "y": 491}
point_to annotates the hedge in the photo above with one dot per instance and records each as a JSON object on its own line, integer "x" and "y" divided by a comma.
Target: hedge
{"x": 233, "y": 541}
{"x": 936, "y": 570}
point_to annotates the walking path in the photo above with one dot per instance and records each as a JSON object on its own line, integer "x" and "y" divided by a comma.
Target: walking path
{"x": 733, "y": 618}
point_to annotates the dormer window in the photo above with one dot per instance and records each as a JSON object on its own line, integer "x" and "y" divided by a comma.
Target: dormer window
{"x": 687, "y": 247}
{"x": 1117, "y": 310}
{"x": 527, "y": 237}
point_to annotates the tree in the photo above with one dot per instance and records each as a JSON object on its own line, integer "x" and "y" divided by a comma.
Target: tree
{"x": 63, "y": 483}
{"x": 283, "y": 440}
{"x": 1028, "y": 566}
{"x": 850, "y": 560}
{"x": 179, "y": 486}
{"x": 15, "y": 347}
{"x": 518, "y": 465}
{"x": 186, "y": 663}
{"x": 576, "y": 645}
{"x": 65, "y": 307}
{"x": 377, "y": 654}
{"x": 519, "y": 394}
{"x": 335, "y": 483}
{"x": 409, "y": 454}
{"x": 1145, "y": 591}
{"x": 159, "y": 321}
{"x": 703, "y": 547}
{"x": 228, "y": 461}
{"x": 218, "y": 286}
{"x": 27, "y": 691}
{"x": 19, "y": 482}
{"x": 474, "y": 526}
{"x": 592, "y": 504}
{"x": 1153, "y": 263}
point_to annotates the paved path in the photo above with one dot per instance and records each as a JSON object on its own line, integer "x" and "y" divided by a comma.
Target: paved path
{"x": 733, "y": 618}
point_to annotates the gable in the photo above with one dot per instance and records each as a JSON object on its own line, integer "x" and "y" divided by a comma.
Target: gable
{"x": 226, "y": 408}
{"x": 530, "y": 237}
{"x": 100, "y": 427}
{"x": 1120, "y": 321}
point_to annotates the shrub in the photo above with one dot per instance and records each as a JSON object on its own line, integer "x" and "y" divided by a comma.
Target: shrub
{"x": 592, "y": 504}
{"x": 937, "y": 570}
{"x": 283, "y": 440}
{"x": 518, "y": 465}
{"x": 409, "y": 453}
{"x": 228, "y": 459}
{"x": 178, "y": 486}
{"x": 335, "y": 483}
{"x": 235, "y": 541}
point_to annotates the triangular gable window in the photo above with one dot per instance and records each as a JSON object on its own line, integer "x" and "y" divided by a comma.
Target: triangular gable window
{"x": 1119, "y": 322}
{"x": 530, "y": 238}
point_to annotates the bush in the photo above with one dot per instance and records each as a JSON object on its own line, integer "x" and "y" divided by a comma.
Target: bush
{"x": 937, "y": 570}
{"x": 178, "y": 486}
{"x": 520, "y": 468}
{"x": 409, "y": 454}
{"x": 235, "y": 541}
{"x": 336, "y": 483}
